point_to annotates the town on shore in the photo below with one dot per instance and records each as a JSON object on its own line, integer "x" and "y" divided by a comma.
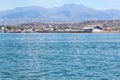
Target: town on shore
{"x": 108, "y": 26}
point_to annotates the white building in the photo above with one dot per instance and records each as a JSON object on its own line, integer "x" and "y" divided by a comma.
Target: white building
{"x": 3, "y": 29}
{"x": 49, "y": 28}
{"x": 97, "y": 29}
{"x": 93, "y": 29}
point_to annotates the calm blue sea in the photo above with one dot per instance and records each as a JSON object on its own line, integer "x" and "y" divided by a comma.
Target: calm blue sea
{"x": 61, "y": 56}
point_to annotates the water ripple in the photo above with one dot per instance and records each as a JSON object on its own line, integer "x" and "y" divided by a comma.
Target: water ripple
{"x": 59, "y": 57}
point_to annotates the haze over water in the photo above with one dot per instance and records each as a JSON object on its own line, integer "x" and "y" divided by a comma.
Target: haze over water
{"x": 59, "y": 56}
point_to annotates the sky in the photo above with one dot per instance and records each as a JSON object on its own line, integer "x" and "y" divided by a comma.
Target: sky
{"x": 96, "y": 4}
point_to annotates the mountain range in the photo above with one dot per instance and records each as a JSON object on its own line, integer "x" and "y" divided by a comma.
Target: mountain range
{"x": 65, "y": 13}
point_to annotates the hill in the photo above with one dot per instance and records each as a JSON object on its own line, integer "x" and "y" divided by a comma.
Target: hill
{"x": 105, "y": 24}
{"x": 65, "y": 13}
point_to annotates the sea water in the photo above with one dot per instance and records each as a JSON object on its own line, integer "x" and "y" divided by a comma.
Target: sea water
{"x": 59, "y": 56}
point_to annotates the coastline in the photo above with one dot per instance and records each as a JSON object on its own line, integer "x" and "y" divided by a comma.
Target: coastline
{"x": 105, "y": 32}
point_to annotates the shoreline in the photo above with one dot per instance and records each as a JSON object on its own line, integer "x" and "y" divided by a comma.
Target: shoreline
{"x": 81, "y": 32}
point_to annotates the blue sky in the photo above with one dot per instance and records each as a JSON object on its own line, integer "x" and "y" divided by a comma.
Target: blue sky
{"x": 97, "y": 4}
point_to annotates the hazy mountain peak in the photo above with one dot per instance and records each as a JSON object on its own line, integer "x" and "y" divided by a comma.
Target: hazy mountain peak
{"x": 74, "y": 5}
{"x": 65, "y": 13}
